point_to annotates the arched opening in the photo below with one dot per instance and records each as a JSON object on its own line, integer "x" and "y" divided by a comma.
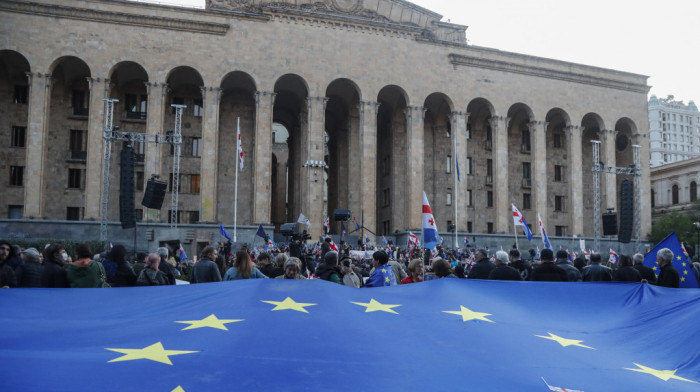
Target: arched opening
{"x": 438, "y": 167}
{"x": 290, "y": 111}
{"x": 479, "y": 165}
{"x": 520, "y": 160}
{"x": 653, "y": 198}
{"x": 66, "y": 152}
{"x": 693, "y": 191}
{"x": 592, "y": 124}
{"x": 14, "y": 127}
{"x": 237, "y": 106}
{"x": 343, "y": 177}
{"x": 674, "y": 194}
{"x": 279, "y": 174}
{"x": 559, "y": 198}
{"x": 391, "y": 155}
{"x": 184, "y": 88}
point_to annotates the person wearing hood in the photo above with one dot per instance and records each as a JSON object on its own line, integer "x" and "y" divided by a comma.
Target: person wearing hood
{"x": 84, "y": 272}
{"x": 329, "y": 270}
{"x": 119, "y": 272}
{"x": 7, "y": 273}
{"x": 55, "y": 262}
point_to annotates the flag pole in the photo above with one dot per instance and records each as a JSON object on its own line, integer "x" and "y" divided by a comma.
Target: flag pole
{"x": 515, "y": 233}
{"x": 235, "y": 192}
{"x": 454, "y": 142}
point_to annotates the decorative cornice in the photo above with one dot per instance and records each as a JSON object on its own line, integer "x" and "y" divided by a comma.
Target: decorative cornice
{"x": 94, "y": 15}
{"x": 542, "y": 72}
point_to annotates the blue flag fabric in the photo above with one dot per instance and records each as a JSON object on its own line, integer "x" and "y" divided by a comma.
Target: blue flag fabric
{"x": 125, "y": 339}
{"x": 457, "y": 166}
{"x": 527, "y": 230}
{"x": 680, "y": 262}
{"x": 261, "y": 233}
{"x": 223, "y": 232}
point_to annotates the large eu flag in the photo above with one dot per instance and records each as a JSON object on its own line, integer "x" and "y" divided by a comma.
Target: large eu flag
{"x": 313, "y": 335}
{"x": 680, "y": 262}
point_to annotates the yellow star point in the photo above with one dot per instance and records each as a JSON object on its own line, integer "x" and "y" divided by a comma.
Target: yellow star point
{"x": 683, "y": 264}
{"x": 662, "y": 374}
{"x": 468, "y": 315}
{"x": 210, "y": 321}
{"x": 154, "y": 352}
{"x": 384, "y": 270}
{"x": 685, "y": 272}
{"x": 683, "y": 279}
{"x": 290, "y": 304}
{"x": 178, "y": 389}
{"x": 563, "y": 341}
{"x": 374, "y": 306}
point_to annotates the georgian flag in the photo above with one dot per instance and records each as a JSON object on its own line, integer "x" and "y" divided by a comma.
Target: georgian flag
{"x": 240, "y": 145}
{"x": 519, "y": 220}
{"x": 545, "y": 239}
{"x": 333, "y": 246}
{"x": 430, "y": 233}
{"x": 183, "y": 255}
{"x": 613, "y": 257}
{"x": 327, "y": 225}
{"x": 412, "y": 240}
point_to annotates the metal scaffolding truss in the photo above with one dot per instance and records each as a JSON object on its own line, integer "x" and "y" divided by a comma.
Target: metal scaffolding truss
{"x": 634, "y": 170}
{"x": 111, "y": 133}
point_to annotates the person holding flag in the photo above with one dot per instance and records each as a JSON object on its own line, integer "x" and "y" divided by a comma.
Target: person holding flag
{"x": 430, "y": 234}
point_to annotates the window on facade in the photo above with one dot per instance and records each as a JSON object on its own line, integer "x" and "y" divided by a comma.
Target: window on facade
{"x": 177, "y": 101}
{"x": 448, "y": 164}
{"x": 14, "y": 211}
{"x": 21, "y": 94}
{"x": 526, "y": 170}
{"x": 469, "y": 227}
{"x": 138, "y": 183}
{"x": 527, "y": 201}
{"x": 561, "y": 231}
{"x": 385, "y": 167}
{"x": 489, "y": 167}
{"x": 80, "y": 103}
{"x": 693, "y": 191}
{"x": 525, "y": 140}
{"x": 387, "y": 227}
{"x": 198, "y": 108}
{"x": 470, "y": 202}
{"x": 75, "y": 179}
{"x": 171, "y": 181}
{"x": 674, "y": 195}
{"x": 469, "y": 130}
{"x": 77, "y": 144}
{"x": 194, "y": 183}
{"x": 193, "y": 216}
{"x": 448, "y": 130}
{"x": 489, "y": 227}
{"x": 489, "y": 198}
{"x": 17, "y": 175}
{"x": 73, "y": 213}
{"x": 135, "y": 106}
{"x": 178, "y": 217}
{"x": 196, "y": 146}
{"x": 19, "y": 137}
{"x": 449, "y": 197}
{"x": 559, "y": 140}
{"x": 560, "y": 203}
{"x": 559, "y": 173}
{"x": 469, "y": 166}
{"x": 386, "y": 197}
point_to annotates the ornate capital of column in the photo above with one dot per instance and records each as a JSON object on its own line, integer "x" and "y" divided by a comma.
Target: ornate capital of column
{"x": 261, "y": 94}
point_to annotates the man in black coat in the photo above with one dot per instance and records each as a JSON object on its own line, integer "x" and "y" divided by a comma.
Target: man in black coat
{"x": 668, "y": 277}
{"x": 482, "y": 268}
{"x": 626, "y": 272}
{"x": 548, "y": 271}
{"x": 646, "y": 272}
{"x": 596, "y": 272}
{"x": 503, "y": 271}
{"x": 572, "y": 274}
{"x": 524, "y": 267}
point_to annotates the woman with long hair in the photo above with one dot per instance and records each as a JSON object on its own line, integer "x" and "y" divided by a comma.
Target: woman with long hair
{"x": 243, "y": 268}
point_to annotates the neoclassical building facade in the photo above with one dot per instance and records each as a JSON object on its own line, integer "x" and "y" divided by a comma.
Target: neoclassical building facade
{"x": 380, "y": 91}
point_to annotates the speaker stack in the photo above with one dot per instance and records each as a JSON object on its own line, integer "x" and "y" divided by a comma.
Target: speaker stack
{"x": 126, "y": 188}
{"x": 626, "y": 211}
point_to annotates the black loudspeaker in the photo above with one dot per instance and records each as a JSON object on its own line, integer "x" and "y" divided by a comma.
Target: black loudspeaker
{"x": 126, "y": 188}
{"x": 626, "y": 211}
{"x": 610, "y": 223}
{"x": 342, "y": 215}
{"x": 154, "y": 194}
{"x": 287, "y": 229}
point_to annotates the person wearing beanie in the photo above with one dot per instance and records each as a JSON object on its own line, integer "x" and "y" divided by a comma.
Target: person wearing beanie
{"x": 291, "y": 269}
{"x": 547, "y": 271}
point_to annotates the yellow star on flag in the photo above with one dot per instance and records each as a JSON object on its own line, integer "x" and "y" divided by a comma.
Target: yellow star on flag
{"x": 678, "y": 257}
{"x": 154, "y": 352}
{"x": 563, "y": 341}
{"x": 374, "y": 306}
{"x": 662, "y": 374}
{"x": 469, "y": 315}
{"x": 655, "y": 268}
{"x": 178, "y": 389}
{"x": 685, "y": 272}
{"x": 290, "y": 304}
{"x": 683, "y": 279}
{"x": 683, "y": 264}
{"x": 210, "y": 321}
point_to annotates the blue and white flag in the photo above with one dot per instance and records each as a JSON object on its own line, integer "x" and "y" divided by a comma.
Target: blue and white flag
{"x": 543, "y": 233}
{"x": 430, "y": 233}
{"x": 183, "y": 255}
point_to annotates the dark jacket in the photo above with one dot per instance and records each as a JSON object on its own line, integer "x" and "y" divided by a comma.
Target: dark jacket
{"x": 627, "y": 273}
{"x": 646, "y": 272}
{"x": 271, "y": 270}
{"x": 504, "y": 272}
{"x": 150, "y": 277}
{"x": 53, "y": 275}
{"x": 7, "y": 276}
{"x": 481, "y": 269}
{"x": 668, "y": 277}
{"x": 597, "y": 272}
{"x": 572, "y": 273}
{"x": 29, "y": 274}
{"x": 89, "y": 276}
{"x": 524, "y": 268}
{"x": 119, "y": 274}
{"x": 332, "y": 274}
{"x": 205, "y": 271}
{"x": 168, "y": 270}
{"x": 549, "y": 272}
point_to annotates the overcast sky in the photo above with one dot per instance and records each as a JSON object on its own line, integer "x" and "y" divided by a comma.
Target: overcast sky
{"x": 659, "y": 38}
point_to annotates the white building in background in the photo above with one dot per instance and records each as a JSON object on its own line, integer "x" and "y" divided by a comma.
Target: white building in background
{"x": 674, "y": 130}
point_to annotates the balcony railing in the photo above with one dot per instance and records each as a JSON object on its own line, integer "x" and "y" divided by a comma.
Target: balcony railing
{"x": 76, "y": 156}
{"x": 135, "y": 115}
{"x": 527, "y": 183}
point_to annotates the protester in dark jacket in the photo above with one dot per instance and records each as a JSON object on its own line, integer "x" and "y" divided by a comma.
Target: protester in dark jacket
{"x": 503, "y": 271}
{"x": 205, "y": 269}
{"x": 548, "y": 271}
{"x": 572, "y": 273}
{"x": 329, "y": 270}
{"x": 482, "y": 268}
{"x": 119, "y": 271}
{"x": 7, "y": 273}
{"x": 54, "y": 273}
{"x": 626, "y": 272}
{"x": 29, "y": 273}
{"x": 164, "y": 266}
{"x": 596, "y": 272}
{"x": 10, "y": 257}
{"x": 151, "y": 275}
{"x": 523, "y": 266}
{"x": 646, "y": 272}
{"x": 668, "y": 277}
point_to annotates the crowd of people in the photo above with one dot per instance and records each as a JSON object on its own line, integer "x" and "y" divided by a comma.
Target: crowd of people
{"x": 55, "y": 268}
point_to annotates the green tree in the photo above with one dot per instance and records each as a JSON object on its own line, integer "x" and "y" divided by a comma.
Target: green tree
{"x": 682, "y": 224}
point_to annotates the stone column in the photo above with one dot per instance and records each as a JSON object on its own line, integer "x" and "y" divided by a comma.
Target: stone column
{"x": 95, "y": 147}
{"x": 538, "y": 130}
{"x": 610, "y": 180}
{"x": 645, "y": 188}
{"x": 38, "y": 115}
{"x": 262, "y": 156}
{"x": 315, "y": 145}
{"x": 154, "y": 125}
{"x": 413, "y": 194}
{"x": 576, "y": 179}
{"x": 459, "y": 133}
{"x": 209, "y": 161}
{"x": 501, "y": 195}
{"x": 367, "y": 215}
{"x": 354, "y": 165}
